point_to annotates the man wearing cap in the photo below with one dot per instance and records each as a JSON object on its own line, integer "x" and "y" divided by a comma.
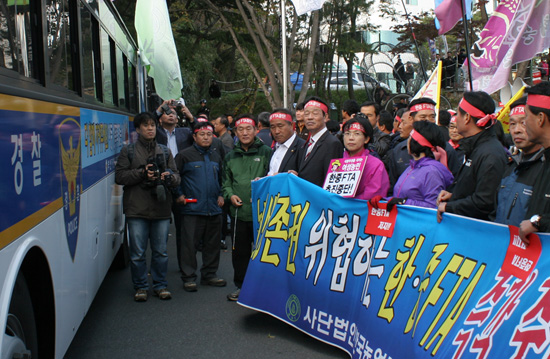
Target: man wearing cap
{"x": 201, "y": 201}
{"x": 537, "y": 127}
{"x": 315, "y": 155}
{"x": 203, "y": 110}
{"x": 247, "y": 161}
{"x": 287, "y": 143}
{"x": 474, "y": 191}
{"x": 522, "y": 170}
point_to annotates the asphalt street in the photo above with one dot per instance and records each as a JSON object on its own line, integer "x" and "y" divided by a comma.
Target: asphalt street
{"x": 203, "y": 324}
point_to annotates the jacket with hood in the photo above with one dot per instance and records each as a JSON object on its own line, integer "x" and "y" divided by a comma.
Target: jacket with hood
{"x": 240, "y": 167}
{"x": 422, "y": 181}
{"x": 139, "y": 198}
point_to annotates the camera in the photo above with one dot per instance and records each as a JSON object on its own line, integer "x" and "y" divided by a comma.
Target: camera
{"x": 166, "y": 109}
{"x": 159, "y": 185}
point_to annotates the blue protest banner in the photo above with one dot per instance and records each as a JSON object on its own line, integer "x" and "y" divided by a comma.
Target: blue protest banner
{"x": 431, "y": 290}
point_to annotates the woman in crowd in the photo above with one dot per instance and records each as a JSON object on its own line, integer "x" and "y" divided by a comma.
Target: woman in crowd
{"x": 374, "y": 180}
{"x": 427, "y": 174}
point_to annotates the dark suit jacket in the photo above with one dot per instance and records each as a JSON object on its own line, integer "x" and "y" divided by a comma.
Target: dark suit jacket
{"x": 184, "y": 137}
{"x": 315, "y": 167}
{"x": 290, "y": 161}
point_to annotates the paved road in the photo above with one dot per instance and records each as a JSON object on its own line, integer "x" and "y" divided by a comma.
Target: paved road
{"x": 191, "y": 325}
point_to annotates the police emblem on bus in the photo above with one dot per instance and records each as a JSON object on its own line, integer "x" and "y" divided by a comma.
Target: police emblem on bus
{"x": 69, "y": 147}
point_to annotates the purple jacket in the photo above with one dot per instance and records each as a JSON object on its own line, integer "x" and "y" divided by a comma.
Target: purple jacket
{"x": 374, "y": 181}
{"x": 422, "y": 181}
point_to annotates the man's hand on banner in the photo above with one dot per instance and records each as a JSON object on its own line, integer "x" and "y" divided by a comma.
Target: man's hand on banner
{"x": 525, "y": 229}
{"x": 393, "y": 201}
{"x": 441, "y": 204}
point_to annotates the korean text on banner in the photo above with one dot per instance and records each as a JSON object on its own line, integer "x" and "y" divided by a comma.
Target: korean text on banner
{"x": 431, "y": 290}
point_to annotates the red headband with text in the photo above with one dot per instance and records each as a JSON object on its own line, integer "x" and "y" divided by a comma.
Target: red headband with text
{"x": 518, "y": 110}
{"x": 356, "y": 127}
{"x": 422, "y": 106}
{"x": 245, "y": 121}
{"x": 540, "y": 101}
{"x": 473, "y": 111}
{"x": 439, "y": 153}
{"x": 206, "y": 128}
{"x": 317, "y": 104}
{"x": 280, "y": 116}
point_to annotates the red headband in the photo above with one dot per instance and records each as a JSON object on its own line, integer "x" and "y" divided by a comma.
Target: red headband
{"x": 422, "y": 106}
{"x": 484, "y": 118}
{"x": 245, "y": 121}
{"x": 317, "y": 104}
{"x": 518, "y": 110}
{"x": 439, "y": 153}
{"x": 280, "y": 116}
{"x": 398, "y": 119}
{"x": 356, "y": 127}
{"x": 453, "y": 119}
{"x": 206, "y": 128}
{"x": 202, "y": 119}
{"x": 540, "y": 101}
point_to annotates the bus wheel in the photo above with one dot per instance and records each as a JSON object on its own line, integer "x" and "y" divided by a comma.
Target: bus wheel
{"x": 20, "y": 339}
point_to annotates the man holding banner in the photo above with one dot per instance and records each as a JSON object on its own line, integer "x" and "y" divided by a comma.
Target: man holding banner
{"x": 473, "y": 192}
{"x": 537, "y": 126}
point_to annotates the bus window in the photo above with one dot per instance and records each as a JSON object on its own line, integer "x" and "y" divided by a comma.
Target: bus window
{"x": 16, "y": 38}
{"x": 132, "y": 80}
{"x": 122, "y": 78}
{"x": 58, "y": 43}
{"x": 106, "y": 66}
{"x": 91, "y": 61}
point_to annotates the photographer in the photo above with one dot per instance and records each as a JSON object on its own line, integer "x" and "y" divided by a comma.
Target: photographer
{"x": 148, "y": 172}
{"x": 176, "y": 139}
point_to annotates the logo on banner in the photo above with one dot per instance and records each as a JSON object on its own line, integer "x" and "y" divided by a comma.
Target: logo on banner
{"x": 69, "y": 146}
{"x": 293, "y": 308}
{"x": 521, "y": 258}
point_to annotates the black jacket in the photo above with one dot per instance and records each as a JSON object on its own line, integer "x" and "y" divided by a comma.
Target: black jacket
{"x": 139, "y": 198}
{"x": 479, "y": 177}
{"x": 541, "y": 195}
{"x": 314, "y": 168}
{"x": 516, "y": 188}
{"x": 290, "y": 160}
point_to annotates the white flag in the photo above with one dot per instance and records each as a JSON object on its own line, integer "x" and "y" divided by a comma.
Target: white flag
{"x": 304, "y": 6}
{"x": 157, "y": 47}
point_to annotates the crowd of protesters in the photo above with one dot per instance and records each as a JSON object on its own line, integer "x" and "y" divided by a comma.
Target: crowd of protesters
{"x": 200, "y": 169}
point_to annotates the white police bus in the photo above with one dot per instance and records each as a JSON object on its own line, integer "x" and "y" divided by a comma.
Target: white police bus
{"x": 69, "y": 86}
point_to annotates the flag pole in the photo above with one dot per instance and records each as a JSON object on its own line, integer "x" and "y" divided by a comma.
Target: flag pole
{"x": 415, "y": 43}
{"x": 466, "y": 38}
{"x": 285, "y": 65}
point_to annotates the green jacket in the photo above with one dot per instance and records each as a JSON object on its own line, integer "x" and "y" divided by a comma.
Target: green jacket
{"x": 239, "y": 169}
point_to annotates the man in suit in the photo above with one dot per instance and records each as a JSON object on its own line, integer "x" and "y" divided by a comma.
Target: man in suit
{"x": 287, "y": 143}
{"x": 176, "y": 139}
{"x": 314, "y": 157}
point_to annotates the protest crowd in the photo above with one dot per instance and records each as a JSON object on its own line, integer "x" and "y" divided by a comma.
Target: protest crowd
{"x": 199, "y": 170}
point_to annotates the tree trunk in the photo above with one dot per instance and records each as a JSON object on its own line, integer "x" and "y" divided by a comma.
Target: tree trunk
{"x": 243, "y": 54}
{"x": 310, "y": 54}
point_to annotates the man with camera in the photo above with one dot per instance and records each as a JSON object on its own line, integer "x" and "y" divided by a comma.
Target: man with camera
{"x": 176, "y": 139}
{"x": 148, "y": 172}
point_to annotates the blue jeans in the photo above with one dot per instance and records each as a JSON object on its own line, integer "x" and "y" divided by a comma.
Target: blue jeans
{"x": 141, "y": 231}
